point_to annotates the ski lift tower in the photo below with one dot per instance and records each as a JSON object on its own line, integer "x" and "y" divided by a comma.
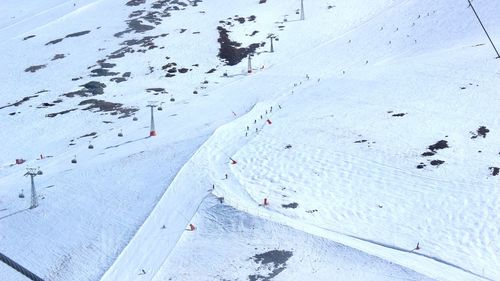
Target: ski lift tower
{"x": 249, "y": 63}
{"x": 33, "y": 172}
{"x": 152, "y": 105}
{"x": 302, "y": 16}
{"x": 271, "y": 37}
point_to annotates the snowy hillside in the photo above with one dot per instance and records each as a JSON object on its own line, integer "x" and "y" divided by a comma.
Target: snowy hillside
{"x": 365, "y": 147}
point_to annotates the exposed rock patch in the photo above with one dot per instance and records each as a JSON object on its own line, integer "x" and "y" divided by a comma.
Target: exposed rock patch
{"x": 19, "y": 102}
{"x": 51, "y": 115}
{"x": 494, "y": 171}
{"x": 437, "y": 162}
{"x": 293, "y": 205}
{"x": 35, "y": 68}
{"x": 88, "y": 135}
{"x": 231, "y": 51}
{"x": 76, "y": 34}
{"x": 399, "y": 114}
{"x": 96, "y": 105}
{"x": 135, "y": 2}
{"x": 136, "y": 26}
{"x": 91, "y": 88}
{"x": 58, "y": 57}
{"x": 442, "y": 144}
{"x": 481, "y": 132}
{"x": 273, "y": 262}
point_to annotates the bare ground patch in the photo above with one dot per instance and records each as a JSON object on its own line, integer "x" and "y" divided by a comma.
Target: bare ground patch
{"x": 112, "y": 108}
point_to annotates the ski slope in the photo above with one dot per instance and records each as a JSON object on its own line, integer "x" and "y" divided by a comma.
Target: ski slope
{"x": 386, "y": 81}
{"x": 268, "y": 248}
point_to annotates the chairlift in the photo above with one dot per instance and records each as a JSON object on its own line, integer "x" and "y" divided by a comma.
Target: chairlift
{"x": 195, "y": 92}
{"x": 73, "y": 160}
{"x": 172, "y": 99}
{"x": 120, "y": 134}
{"x": 91, "y": 146}
{"x": 39, "y": 172}
{"x": 135, "y": 119}
{"x": 21, "y": 195}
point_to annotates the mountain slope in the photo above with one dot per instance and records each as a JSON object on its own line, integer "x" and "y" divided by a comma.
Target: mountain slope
{"x": 395, "y": 77}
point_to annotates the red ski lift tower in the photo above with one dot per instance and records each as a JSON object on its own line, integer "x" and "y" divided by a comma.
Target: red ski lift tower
{"x": 33, "y": 172}
{"x": 152, "y": 105}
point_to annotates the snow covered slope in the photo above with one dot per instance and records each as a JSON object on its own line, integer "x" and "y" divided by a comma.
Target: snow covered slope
{"x": 261, "y": 249}
{"x": 388, "y": 82}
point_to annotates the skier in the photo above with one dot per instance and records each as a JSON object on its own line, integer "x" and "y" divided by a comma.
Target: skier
{"x": 226, "y": 176}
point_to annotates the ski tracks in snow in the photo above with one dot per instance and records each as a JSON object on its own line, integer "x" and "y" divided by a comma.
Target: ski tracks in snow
{"x": 344, "y": 193}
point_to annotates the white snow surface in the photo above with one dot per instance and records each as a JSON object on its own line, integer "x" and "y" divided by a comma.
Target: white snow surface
{"x": 385, "y": 80}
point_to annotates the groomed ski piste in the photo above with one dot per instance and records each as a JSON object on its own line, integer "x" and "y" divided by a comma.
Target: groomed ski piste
{"x": 365, "y": 147}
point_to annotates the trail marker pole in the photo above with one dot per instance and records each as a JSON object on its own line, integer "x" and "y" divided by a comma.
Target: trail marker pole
{"x": 487, "y": 35}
